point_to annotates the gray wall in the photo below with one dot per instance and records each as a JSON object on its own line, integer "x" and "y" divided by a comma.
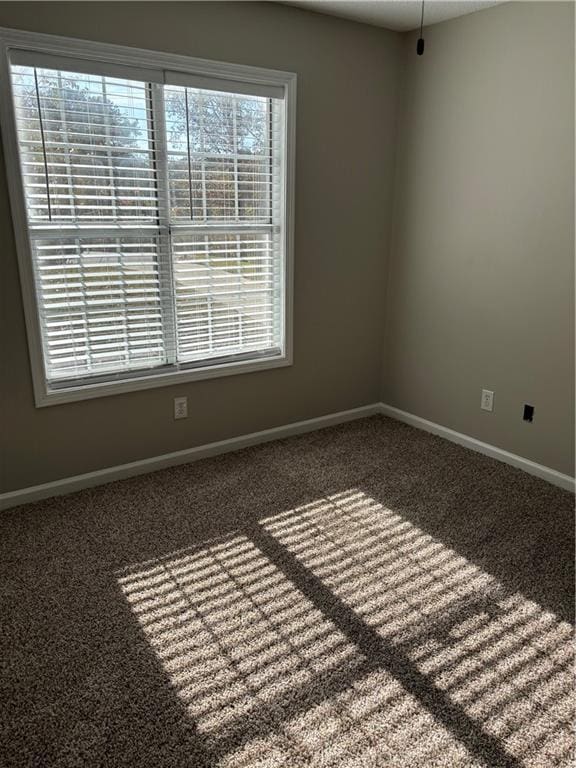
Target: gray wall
{"x": 346, "y": 102}
{"x": 481, "y": 279}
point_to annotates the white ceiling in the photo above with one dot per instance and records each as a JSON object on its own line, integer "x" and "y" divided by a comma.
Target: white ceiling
{"x": 400, "y": 15}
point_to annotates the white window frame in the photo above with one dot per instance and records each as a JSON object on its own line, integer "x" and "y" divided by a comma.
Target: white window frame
{"x": 230, "y": 75}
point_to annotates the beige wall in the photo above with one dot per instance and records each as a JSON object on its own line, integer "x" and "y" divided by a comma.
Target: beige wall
{"x": 480, "y": 283}
{"x": 481, "y": 280}
{"x": 345, "y": 119}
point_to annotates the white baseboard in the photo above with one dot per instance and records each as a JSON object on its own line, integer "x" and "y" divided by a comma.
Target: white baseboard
{"x": 539, "y": 470}
{"x": 122, "y": 471}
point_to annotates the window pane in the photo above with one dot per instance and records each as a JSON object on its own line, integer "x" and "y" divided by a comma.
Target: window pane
{"x": 226, "y": 300}
{"x": 86, "y": 147}
{"x": 220, "y": 156}
{"x": 100, "y": 305}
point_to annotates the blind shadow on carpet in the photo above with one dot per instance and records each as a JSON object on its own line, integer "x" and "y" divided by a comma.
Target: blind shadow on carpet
{"x": 340, "y": 633}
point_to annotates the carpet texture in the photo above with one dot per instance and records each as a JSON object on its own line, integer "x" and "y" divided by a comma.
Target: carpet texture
{"x": 361, "y": 596}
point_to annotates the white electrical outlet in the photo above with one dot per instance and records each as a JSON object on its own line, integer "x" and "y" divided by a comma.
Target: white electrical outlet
{"x": 487, "y": 402}
{"x": 180, "y": 407}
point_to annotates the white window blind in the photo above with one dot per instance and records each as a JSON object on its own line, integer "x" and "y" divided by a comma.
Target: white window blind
{"x": 155, "y": 218}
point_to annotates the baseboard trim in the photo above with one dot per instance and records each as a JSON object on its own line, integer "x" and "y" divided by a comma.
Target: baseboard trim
{"x": 539, "y": 470}
{"x": 123, "y": 471}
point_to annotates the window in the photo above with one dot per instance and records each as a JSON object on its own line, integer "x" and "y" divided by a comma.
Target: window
{"x": 154, "y": 195}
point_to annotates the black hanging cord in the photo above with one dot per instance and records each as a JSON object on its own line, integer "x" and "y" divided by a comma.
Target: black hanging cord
{"x": 420, "y": 43}
{"x": 43, "y": 145}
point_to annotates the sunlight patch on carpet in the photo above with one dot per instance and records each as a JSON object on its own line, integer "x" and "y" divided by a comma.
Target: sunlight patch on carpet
{"x": 271, "y": 677}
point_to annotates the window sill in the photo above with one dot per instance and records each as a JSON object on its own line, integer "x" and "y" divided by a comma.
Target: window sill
{"x": 71, "y": 394}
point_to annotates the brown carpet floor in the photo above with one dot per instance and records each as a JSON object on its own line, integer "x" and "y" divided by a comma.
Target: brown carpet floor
{"x": 367, "y": 595}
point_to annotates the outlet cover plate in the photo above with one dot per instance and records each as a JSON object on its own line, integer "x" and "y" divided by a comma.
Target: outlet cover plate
{"x": 180, "y": 407}
{"x": 487, "y": 401}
